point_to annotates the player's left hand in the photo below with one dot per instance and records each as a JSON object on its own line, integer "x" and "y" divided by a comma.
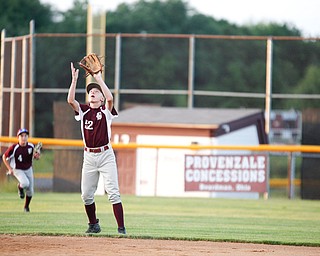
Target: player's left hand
{"x": 92, "y": 64}
{"x": 37, "y": 150}
{"x": 36, "y": 155}
{"x": 97, "y": 75}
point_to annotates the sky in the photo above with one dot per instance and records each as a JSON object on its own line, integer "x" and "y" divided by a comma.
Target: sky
{"x": 301, "y": 14}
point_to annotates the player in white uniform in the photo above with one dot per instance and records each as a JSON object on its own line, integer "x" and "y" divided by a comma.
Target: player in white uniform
{"x": 99, "y": 158}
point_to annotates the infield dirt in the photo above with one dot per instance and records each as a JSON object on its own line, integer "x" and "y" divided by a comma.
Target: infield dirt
{"x": 65, "y": 245}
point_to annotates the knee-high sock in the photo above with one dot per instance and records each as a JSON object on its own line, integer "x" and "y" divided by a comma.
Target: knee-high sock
{"x": 118, "y": 214}
{"x": 27, "y": 202}
{"x": 91, "y": 213}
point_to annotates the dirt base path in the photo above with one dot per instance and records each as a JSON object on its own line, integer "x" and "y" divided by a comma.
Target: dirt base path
{"x": 64, "y": 245}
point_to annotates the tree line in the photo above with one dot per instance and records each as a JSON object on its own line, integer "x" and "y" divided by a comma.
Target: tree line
{"x": 221, "y": 65}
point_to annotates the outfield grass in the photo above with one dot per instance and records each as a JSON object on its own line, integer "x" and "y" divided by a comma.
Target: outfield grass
{"x": 272, "y": 221}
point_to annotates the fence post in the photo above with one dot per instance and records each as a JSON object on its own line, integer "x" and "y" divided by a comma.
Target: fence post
{"x": 191, "y": 71}
{"x": 291, "y": 175}
{"x": 24, "y": 69}
{"x": 268, "y": 85}
{"x": 3, "y": 36}
{"x": 156, "y": 172}
{"x": 12, "y": 88}
{"x": 117, "y": 72}
{"x": 32, "y": 75}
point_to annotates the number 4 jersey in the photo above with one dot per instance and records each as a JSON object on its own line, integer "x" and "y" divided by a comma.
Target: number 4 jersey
{"x": 20, "y": 157}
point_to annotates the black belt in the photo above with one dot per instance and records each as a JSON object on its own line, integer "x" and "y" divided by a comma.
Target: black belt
{"x": 96, "y": 150}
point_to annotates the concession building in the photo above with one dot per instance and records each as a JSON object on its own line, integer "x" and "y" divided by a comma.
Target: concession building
{"x": 162, "y": 171}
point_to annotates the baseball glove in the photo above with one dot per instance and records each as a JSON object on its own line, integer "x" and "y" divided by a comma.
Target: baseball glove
{"x": 37, "y": 148}
{"x": 91, "y": 64}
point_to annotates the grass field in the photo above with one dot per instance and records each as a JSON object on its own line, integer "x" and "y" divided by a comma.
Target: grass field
{"x": 272, "y": 221}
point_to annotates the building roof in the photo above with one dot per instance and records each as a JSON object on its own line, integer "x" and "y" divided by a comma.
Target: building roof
{"x": 172, "y": 116}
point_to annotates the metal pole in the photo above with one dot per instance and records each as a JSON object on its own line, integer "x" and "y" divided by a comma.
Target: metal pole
{"x": 12, "y": 87}
{"x": 3, "y": 36}
{"x": 291, "y": 175}
{"x": 32, "y": 75}
{"x": 89, "y": 46}
{"x": 268, "y": 85}
{"x": 191, "y": 71}
{"x": 117, "y": 72}
{"x": 266, "y": 194}
{"x": 156, "y": 173}
{"x": 96, "y": 24}
{"x": 23, "y": 82}
{"x": 268, "y": 99}
{"x": 102, "y": 41}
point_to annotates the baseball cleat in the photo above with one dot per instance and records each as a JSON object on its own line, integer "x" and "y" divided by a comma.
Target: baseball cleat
{"x": 94, "y": 228}
{"x": 122, "y": 231}
{"x": 20, "y": 192}
{"x": 26, "y": 209}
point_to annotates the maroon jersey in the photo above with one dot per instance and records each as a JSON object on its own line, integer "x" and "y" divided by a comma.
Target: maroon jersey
{"x": 20, "y": 156}
{"x": 95, "y": 125}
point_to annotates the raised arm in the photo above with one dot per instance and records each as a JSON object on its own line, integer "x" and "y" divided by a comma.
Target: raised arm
{"x": 72, "y": 90}
{"x": 105, "y": 89}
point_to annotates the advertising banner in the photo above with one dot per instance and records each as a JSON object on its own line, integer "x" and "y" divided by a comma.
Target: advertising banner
{"x": 226, "y": 173}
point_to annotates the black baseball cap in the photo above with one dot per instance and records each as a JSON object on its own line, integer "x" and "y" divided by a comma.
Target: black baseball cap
{"x": 93, "y": 85}
{"x": 22, "y": 130}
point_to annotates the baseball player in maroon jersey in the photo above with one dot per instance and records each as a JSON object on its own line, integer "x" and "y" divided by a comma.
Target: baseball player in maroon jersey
{"x": 18, "y": 159}
{"x": 99, "y": 158}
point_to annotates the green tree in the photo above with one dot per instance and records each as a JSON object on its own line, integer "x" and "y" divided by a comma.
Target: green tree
{"x": 63, "y": 50}
{"x": 272, "y": 29}
{"x": 227, "y": 65}
{"x": 309, "y": 84}
{"x": 148, "y": 17}
{"x": 73, "y": 20}
{"x": 16, "y": 14}
{"x": 162, "y": 63}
